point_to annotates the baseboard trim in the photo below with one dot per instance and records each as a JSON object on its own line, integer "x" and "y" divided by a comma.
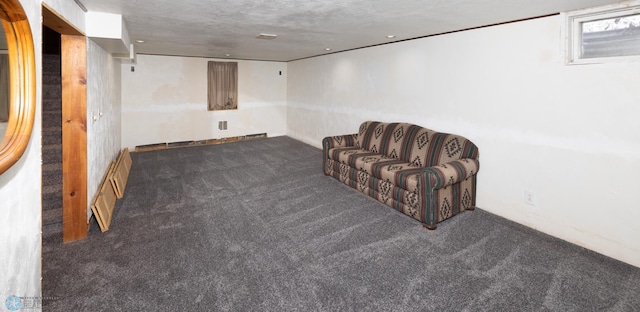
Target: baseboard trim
{"x": 182, "y": 144}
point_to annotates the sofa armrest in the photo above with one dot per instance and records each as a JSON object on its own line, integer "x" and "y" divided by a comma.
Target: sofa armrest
{"x": 339, "y": 141}
{"x": 328, "y": 143}
{"x": 453, "y": 172}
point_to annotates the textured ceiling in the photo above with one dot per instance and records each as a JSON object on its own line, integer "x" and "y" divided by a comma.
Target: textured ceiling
{"x": 214, "y": 28}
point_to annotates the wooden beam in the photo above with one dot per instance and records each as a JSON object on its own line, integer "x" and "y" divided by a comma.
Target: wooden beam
{"x": 74, "y": 138}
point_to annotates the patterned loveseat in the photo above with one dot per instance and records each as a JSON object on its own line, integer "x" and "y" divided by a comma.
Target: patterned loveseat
{"x": 427, "y": 175}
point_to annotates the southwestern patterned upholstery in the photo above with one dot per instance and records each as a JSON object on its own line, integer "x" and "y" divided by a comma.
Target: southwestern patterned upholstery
{"x": 428, "y": 175}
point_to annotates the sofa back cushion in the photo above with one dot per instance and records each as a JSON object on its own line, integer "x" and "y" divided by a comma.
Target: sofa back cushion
{"x": 372, "y": 135}
{"x": 419, "y": 146}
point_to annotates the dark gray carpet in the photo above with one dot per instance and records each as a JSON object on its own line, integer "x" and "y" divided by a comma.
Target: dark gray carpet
{"x": 256, "y": 226}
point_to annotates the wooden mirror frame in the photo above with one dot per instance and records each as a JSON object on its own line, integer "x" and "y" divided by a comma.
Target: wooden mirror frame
{"x": 22, "y": 100}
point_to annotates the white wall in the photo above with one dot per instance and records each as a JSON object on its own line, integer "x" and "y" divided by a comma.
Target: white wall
{"x": 567, "y": 133}
{"x": 165, "y": 100}
{"x": 69, "y": 10}
{"x": 20, "y": 199}
{"x": 103, "y": 115}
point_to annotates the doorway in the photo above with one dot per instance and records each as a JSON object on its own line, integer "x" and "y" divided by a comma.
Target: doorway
{"x": 51, "y": 133}
{"x": 73, "y": 126}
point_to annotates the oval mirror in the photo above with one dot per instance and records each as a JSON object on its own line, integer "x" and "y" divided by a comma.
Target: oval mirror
{"x": 19, "y": 89}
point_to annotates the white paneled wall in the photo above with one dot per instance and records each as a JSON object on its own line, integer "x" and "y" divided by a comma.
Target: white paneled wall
{"x": 20, "y": 198}
{"x": 165, "y": 100}
{"x": 103, "y": 115}
{"x": 568, "y": 134}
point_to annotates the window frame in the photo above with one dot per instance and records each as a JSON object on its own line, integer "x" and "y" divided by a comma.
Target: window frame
{"x": 572, "y": 31}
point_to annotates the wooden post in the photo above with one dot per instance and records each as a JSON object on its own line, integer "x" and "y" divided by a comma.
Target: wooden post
{"x": 74, "y": 138}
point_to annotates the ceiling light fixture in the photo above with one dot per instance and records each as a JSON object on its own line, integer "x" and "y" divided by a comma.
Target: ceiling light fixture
{"x": 139, "y": 41}
{"x": 391, "y": 36}
{"x": 266, "y": 36}
{"x": 227, "y": 55}
{"x": 327, "y": 49}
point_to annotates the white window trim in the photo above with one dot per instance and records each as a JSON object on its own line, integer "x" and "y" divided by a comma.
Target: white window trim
{"x": 571, "y": 31}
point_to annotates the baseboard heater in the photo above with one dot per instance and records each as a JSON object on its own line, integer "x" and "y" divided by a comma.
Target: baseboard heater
{"x": 112, "y": 188}
{"x": 163, "y": 146}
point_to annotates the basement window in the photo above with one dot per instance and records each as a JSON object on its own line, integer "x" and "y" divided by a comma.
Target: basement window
{"x": 222, "y": 89}
{"x": 604, "y": 34}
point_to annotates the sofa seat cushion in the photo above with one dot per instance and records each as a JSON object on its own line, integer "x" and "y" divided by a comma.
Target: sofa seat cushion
{"x": 385, "y": 168}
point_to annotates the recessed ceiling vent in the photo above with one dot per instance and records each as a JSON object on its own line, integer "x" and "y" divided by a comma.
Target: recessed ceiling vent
{"x": 266, "y": 36}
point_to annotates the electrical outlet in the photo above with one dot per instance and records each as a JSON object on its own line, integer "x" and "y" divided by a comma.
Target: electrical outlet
{"x": 529, "y": 198}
